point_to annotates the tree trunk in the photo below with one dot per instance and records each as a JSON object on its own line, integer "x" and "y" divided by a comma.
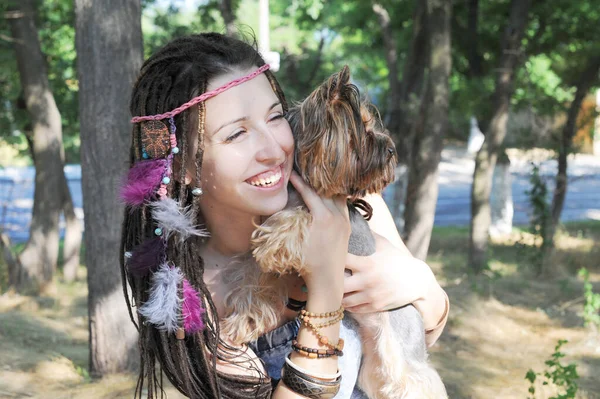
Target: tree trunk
{"x": 427, "y": 148}
{"x": 495, "y": 132}
{"x": 12, "y": 262}
{"x": 404, "y": 98}
{"x": 475, "y": 67}
{"x": 587, "y": 79}
{"x": 109, "y": 50}
{"x": 72, "y": 240}
{"x": 226, "y": 8}
{"x": 39, "y": 257}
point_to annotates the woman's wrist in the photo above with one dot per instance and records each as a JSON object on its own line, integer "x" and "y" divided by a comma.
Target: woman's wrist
{"x": 431, "y": 303}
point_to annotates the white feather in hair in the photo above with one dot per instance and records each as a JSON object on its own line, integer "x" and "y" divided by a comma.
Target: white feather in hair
{"x": 163, "y": 305}
{"x": 173, "y": 219}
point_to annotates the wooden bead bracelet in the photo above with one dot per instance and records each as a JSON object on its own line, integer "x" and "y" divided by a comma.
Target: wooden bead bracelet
{"x": 314, "y": 353}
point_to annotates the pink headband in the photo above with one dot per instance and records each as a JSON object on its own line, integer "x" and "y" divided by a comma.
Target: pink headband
{"x": 201, "y": 97}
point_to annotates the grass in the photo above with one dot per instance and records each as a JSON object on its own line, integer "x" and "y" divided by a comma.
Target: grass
{"x": 501, "y": 324}
{"x": 508, "y": 320}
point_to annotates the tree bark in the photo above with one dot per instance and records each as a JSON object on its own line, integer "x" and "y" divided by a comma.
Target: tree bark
{"x": 428, "y": 144}
{"x": 72, "y": 240}
{"x": 475, "y": 67}
{"x": 495, "y": 132}
{"x": 39, "y": 257}
{"x": 587, "y": 79}
{"x": 226, "y": 8}
{"x": 405, "y": 96}
{"x": 109, "y": 50}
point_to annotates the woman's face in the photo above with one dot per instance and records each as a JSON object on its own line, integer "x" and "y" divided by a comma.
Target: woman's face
{"x": 248, "y": 152}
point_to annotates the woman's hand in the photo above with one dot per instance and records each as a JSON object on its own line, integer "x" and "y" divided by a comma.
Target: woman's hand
{"x": 327, "y": 244}
{"x": 388, "y": 279}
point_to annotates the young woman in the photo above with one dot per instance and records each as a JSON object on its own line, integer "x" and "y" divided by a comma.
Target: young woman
{"x": 226, "y": 162}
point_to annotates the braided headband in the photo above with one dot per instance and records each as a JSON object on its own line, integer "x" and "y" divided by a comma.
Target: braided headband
{"x": 200, "y": 98}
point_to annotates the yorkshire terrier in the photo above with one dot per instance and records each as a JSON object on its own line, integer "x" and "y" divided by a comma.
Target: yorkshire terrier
{"x": 340, "y": 150}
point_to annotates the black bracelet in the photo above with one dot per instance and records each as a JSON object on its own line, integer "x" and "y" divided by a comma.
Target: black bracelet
{"x": 295, "y": 305}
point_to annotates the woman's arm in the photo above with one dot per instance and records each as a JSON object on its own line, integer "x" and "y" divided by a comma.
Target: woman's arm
{"x": 427, "y": 295}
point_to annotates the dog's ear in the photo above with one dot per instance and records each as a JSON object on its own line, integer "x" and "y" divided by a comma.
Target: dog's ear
{"x": 337, "y": 82}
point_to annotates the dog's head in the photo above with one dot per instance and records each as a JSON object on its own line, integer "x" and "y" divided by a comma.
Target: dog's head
{"x": 341, "y": 148}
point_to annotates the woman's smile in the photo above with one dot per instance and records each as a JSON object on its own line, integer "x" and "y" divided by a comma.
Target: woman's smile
{"x": 271, "y": 179}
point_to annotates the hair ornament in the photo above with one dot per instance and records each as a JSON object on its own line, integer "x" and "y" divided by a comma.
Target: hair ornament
{"x": 155, "y": 139}
{"x": 172, "y": 219}
{"x": 162, "y": 306}
{"x": 142, "y": 181}
{"x": 167, "y": 308}
{"x": 200, "y": 98}
{"x": 146, "y": 257}
{"x": 192, "y": 309}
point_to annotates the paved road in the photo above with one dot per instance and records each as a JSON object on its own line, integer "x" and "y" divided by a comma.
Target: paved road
{"x": 456, "y": 169}
{"x": 453, "y": 208}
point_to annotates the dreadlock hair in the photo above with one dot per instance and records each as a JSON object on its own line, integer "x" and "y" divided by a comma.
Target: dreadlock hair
{"x": 172, "y": 76}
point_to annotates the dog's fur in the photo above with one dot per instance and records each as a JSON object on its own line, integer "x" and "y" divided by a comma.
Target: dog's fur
{"x": 340, "y": 150}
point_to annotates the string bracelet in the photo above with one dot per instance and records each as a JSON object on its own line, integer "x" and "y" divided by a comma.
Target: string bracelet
{"x": 315, "y": 353}
{"x": 320, "y": 376}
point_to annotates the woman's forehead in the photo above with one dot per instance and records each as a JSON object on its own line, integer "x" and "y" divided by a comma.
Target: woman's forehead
{"x": 255, "y": 95}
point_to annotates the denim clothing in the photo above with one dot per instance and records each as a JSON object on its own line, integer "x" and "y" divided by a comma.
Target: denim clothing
{"x": 274, "y": 346}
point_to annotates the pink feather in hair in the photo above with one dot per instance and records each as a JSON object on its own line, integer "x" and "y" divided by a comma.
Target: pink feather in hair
{"x": 142, "y": 181}
{"x": 192, "y": 309}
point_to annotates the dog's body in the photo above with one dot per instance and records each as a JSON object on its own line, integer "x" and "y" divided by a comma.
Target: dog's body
{"x": 338, "y": 151}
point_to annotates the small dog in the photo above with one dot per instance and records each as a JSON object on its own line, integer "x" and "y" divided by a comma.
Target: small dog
{"x": 340, "y": 150}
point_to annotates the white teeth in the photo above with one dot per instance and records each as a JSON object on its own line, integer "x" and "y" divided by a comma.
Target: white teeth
{"x": 268, "y": 181}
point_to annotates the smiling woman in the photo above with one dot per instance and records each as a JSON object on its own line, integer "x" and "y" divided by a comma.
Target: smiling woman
{"x": 248, "y": 147}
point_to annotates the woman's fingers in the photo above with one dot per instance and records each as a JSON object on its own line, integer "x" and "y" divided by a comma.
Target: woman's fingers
{"x": 352, "y": 284}
{"x": 310, "y": 197}
{"x": 354, "y": 299}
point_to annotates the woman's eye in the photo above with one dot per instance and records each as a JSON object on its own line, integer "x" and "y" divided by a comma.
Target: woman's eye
{"x": 234, "y": 136}
{"x": 276, "y": 116}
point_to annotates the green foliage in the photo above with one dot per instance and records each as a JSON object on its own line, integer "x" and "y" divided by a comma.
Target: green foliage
{"x": 556, "y": 373}
{"x": 591, "y": 307}
{"x": 55, "y": 23}
{"x": 315, "y": 38}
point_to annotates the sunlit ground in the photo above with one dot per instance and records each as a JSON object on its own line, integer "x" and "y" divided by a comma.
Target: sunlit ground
{"x": 501, "y": 324}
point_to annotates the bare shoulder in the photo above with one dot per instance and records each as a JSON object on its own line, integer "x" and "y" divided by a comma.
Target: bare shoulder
{"x": 382, "y": 222}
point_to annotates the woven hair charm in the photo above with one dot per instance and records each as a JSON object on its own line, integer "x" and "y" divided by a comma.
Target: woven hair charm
{"x": 155, "y": 139}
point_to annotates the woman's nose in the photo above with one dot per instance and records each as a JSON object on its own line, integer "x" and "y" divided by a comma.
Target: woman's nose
{"x": 269, "y": 149}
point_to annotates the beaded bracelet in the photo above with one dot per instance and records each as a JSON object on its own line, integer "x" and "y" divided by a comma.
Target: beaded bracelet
{"x": 316, "y": 328}
{"x": 305, "y": 312}
{"x": 315, "y": 353}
